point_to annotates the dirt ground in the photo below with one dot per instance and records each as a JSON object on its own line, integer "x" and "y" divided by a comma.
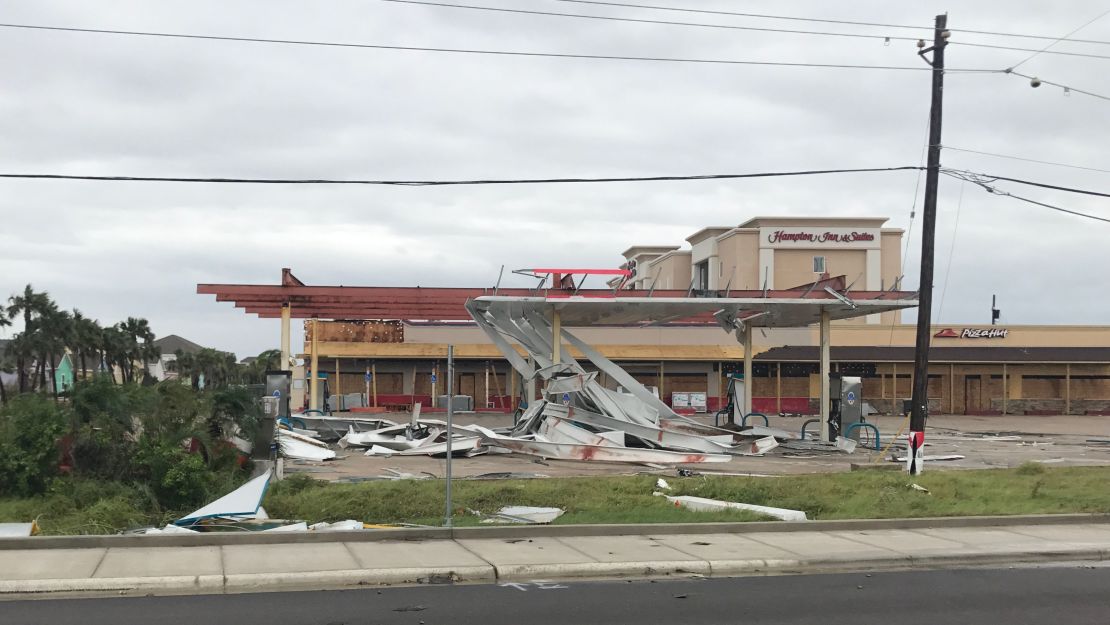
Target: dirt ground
{"x": 1053, "y": 440}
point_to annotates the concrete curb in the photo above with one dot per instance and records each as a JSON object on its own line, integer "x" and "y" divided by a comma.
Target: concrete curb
{"x": 202, "y": 584}
{"x": 510, "y": 572}
{"x": 256, "y": 582}
{"x": 538, "y": 531}
{"x": 357, "y": 577}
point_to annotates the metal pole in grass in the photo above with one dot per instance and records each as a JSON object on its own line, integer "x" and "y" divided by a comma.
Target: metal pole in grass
{"x": 450, "y": 413}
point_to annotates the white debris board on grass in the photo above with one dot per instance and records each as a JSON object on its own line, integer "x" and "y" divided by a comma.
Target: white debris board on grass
{"x": 701, "y": 504}
{"x": 525, "y": 514}
{"x": 242, "y": 502}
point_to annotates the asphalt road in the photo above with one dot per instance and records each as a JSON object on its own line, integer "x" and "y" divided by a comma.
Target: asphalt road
{"x": 1057, "y": 596}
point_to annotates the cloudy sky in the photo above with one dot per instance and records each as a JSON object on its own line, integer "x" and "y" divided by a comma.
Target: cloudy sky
{"x": 140, "y": 106}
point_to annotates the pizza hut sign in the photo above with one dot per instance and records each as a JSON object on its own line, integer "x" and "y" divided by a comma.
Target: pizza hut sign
{"x": 972, "y": 333}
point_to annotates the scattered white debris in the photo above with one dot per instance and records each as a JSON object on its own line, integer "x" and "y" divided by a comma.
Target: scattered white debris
{"x": 701, "y": 504}
{"x": 662, "y": 484}
{"x": 294, "y": 445}
{"x": 525, "y": 515}
{"x": 8, "y": 530}
{"x": 763, "y": 445}
{"x": 919, "y": 487}
{"x": 348, "y": 525}
{"x": 169, "y": 529}
{"x": 846, "y": 445}
{"x": 294, "y": 527}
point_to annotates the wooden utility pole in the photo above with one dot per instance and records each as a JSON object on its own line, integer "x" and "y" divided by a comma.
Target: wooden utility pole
{"x": 920, "y": 398}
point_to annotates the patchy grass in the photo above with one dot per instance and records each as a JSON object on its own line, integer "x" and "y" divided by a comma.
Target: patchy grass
{"x": 1030, "y": 489}
{"x": 859, "y": 495}
{"x": 83, "y": 506}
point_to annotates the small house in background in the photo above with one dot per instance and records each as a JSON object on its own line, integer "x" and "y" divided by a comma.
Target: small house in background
{"x": 63, "y": 373}
{"x": 169, "y": 345}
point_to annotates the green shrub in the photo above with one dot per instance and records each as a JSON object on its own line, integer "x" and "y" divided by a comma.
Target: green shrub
{"x": 30, "y": 426}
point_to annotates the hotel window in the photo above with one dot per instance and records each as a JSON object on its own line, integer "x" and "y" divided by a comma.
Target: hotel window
{"x": 818, "y": 264}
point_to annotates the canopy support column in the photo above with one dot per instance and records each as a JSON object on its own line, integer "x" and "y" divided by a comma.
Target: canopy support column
{"x": 314, "y": 372}
{"x": 823, "y": 383}
{"x": 286, "y": 316}
{"x": 749, "y": 383}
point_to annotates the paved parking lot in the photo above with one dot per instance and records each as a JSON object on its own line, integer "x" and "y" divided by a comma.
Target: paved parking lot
{"x": 986, "y": 441}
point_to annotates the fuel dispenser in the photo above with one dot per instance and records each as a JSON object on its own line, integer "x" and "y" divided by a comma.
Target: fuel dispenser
{"x": 845, "y": 406}
{"x": 275, "y": 405}
{"x": 733, "y": 411}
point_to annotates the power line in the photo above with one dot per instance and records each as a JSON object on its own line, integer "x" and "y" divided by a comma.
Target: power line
{"x": 992, "y": 178}
{"x": 985, "y": 183}
{"x": 1055, "y": 208}
{"x": 736, "y": 14}
{"x": 1027, "y": 160}
{"x": 1016, "y": 49}
{"x": 610, "y": 57}
{"x": 959, "y": 173}
{"x": 440, "y": 183}
{"x": 611, "y": 18}
{"x": 826, "y": 21}
{"x": 1045, "y": 49}
{"x": 1037, "y": 81}
{"x": 951, "y": 250}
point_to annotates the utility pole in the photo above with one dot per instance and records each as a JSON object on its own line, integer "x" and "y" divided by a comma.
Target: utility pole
{"x": 450, "y": 434}
{"x": 920, "y": 399}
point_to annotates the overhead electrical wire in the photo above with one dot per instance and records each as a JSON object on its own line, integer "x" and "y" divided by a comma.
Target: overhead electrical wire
{"x": 986, "y": 182}
{"x": 1027, "y": 160}
{"x": 738, "y": 14}
{"x": 825, "y": 20}
{"x": 976, "y": 177}
{"x": 611, "y": 18}
{"x": 1059, "y": 39}
{"x": 440, "y": 183}
{"x": 1043, "y": 185}
{"x": 558, "y": 55}
{"x": 951, "y": 249}
{"x": 1036, "y": 81}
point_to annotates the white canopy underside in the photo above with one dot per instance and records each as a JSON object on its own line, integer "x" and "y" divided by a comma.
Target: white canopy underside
{"x": 772, "y": 313}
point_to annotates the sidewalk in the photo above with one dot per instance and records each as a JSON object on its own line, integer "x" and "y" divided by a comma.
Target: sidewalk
{"x": 341, "y": 562}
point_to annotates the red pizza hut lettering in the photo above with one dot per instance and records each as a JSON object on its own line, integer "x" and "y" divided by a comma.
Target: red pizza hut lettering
{"x": 782, "y": 236}
{"x": 979, "y": 333}
{"x": 973, "y": 333}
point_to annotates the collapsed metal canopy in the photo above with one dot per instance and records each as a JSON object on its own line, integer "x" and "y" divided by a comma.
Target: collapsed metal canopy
{"x": 770, "y": 312}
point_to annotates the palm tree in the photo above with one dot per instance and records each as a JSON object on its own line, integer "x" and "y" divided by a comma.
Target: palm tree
{"x": 57, "y": 334}
{"x": 30, "y": 305}
{"x": 114, "y": 343}
{"x": 5, "y": 363}
{"x": 255, "y": 372}
{"x": 141, "y": 347}
{"x": 86, "y": 339}
{"x": 185, "y": 366}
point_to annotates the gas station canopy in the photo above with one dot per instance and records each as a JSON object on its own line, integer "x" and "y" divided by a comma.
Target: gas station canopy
{"x": 775, "y": 308}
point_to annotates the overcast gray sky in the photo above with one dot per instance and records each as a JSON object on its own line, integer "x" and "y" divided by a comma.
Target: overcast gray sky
{"x": 115, "y": 105}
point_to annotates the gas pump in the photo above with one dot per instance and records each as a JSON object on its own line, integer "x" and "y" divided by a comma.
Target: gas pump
{"x": 735, "y": 394}
{"x": 275, "y": 406}
{"x": 845, "y": 405}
